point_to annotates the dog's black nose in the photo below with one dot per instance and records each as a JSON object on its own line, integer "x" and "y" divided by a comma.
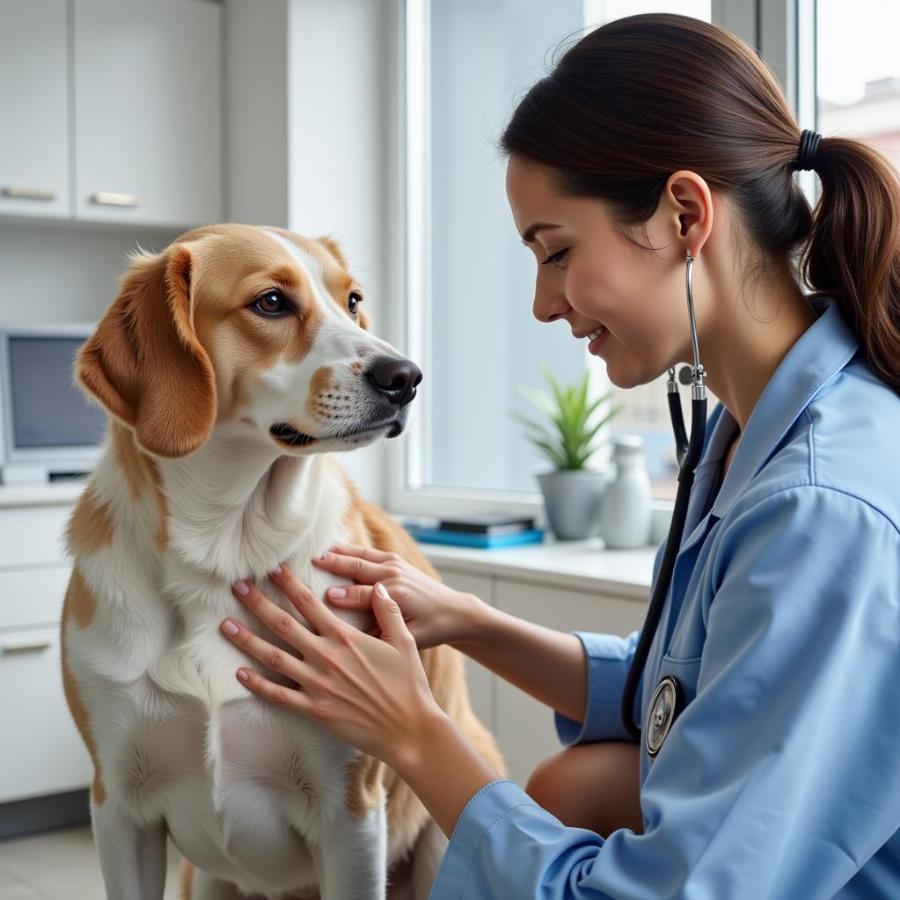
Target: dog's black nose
{"x": 395, "y": 378}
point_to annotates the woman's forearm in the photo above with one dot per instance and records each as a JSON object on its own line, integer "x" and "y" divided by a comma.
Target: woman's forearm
{"x": 442, "y": 768}
{"x": 548, "y": 664}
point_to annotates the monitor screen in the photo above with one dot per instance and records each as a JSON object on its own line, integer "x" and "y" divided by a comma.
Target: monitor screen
{"x": 48, "y": 410}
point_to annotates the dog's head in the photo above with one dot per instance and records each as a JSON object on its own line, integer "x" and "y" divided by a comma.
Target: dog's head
{"x": 257, "y": 327}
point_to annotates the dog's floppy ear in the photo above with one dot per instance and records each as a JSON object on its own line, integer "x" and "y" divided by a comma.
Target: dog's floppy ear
{"x": 334, "y": 248}
{"x": 144, "y": 362}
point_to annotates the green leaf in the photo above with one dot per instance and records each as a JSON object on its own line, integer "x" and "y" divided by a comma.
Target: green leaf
{"x": 567, "y": 439}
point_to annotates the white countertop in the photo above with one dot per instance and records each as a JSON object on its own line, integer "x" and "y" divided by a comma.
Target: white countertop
{"x": 580, "y": 565}
{"x": 58, "y": 493}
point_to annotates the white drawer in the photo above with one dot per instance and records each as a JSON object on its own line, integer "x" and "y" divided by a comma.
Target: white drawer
{"x": 32, "y": 597}
{"x": 41, "y": 751}
{"x": 524, "y": 727}
{"x": 33, "y": 535}
{"x": 481, "y": 681}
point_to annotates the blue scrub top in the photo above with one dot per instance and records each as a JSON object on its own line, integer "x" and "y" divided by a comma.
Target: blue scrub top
{"x": 780, "y": 778}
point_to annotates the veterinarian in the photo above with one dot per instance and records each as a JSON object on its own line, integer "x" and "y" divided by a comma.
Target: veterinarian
{"x": 773, "y": 772}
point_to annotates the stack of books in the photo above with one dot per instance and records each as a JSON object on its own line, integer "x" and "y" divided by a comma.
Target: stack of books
{"x": 484, "y": 530}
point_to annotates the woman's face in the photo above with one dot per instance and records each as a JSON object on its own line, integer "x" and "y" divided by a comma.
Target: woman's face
{"x": 591, "y": 275}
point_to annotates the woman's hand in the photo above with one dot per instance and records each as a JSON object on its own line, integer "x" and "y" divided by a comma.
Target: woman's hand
{"x": 434, "y": 613}
{"x": 370, "y": 691}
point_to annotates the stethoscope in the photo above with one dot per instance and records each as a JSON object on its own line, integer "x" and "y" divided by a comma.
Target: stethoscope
{"x": 668, "y": 698}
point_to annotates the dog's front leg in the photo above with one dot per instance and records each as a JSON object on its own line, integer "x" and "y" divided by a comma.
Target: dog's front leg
{"x": 132, "y": 857}
{"x": 352, "y": 857}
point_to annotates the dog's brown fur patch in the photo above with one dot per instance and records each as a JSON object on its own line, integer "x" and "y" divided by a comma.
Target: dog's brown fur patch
{"x": 80, "y": 600}
{"x": 364, "y": 785}
{"x": 73, "y": 696}
{"x": 141, "y": 473}
{"x": 90, "y": 528}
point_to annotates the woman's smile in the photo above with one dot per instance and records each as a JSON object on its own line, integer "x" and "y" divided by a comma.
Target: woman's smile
{"x": 595, "y": 345}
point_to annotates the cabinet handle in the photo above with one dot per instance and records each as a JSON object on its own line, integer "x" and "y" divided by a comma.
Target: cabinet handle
{"x": 21, "y": 193}
{"x": 26, "y": 648}
{"x": 110, "y": 198}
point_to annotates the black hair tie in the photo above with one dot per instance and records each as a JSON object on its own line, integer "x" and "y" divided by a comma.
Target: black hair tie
{"x": 809, "y": 147}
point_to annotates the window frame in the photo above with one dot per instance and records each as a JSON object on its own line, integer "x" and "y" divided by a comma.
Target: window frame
{"x": 782, "y": 31}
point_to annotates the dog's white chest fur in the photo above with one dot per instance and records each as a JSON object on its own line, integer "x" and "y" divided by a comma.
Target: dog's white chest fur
{"x": 242, "y": 785}
{"x": 245, "y": 788}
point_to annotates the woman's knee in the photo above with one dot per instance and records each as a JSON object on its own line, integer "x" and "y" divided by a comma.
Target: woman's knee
{"x": 595, "y": 786}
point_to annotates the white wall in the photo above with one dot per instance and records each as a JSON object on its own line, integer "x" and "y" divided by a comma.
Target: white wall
{"x": 66, "y": 271}
{"x": 307, "y": 96}
{"x": 305, "y": 149}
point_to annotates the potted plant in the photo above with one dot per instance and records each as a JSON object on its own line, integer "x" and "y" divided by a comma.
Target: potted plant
{"x": 572, "y": 491}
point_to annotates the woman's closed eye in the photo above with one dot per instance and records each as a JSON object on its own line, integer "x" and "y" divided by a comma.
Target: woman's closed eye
{"x": 556, "y": 257}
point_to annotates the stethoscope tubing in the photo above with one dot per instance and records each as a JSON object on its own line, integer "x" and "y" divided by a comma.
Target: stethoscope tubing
{"x": 688, "y": 454}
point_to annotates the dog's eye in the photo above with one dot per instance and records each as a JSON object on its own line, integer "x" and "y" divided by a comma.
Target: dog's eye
{"x": 353, "y": 302}
{"x": 272, "y": 303}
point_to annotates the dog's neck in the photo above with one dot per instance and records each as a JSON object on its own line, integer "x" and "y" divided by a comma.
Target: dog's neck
{"x": 236, "y": 508}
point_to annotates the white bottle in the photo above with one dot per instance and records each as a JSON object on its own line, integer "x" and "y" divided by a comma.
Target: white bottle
{"x": 626, "y": 507}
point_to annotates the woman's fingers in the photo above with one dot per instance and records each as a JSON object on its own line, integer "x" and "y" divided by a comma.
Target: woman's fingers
{"x": 369, "y": 553}
{"x": 351, "y": 596}
{"x": 270, "y": 656}
{"x": 306, "y": 602}
{"x": 276, "y": 693}
{"x": 276, "y": 619}
{"x": 365, "y": 566}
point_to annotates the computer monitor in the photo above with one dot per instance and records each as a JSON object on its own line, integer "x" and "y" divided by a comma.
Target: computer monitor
{"x": 48, "y": 428}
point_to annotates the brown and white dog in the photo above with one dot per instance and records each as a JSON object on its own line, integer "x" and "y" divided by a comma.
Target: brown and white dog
{"x": 231, "y": 363}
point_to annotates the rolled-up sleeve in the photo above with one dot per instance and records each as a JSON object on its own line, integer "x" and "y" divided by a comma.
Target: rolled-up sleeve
{"x": 608, "y": 661}
{"x": 779, "y": 779}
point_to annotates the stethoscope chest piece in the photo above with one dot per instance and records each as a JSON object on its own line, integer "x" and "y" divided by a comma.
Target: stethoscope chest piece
{"x": 663, "y": 708}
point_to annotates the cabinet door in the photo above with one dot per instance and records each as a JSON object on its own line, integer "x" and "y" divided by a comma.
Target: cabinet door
{"x": 524, "y": 726}
{"x": 33, "y": 536}
{"x": 34, "y": 123}
{"x": 481, "y": 681}
{"x": 41, "y": 751}
{"x": 148, "y": 100}
{"x": 30, "y": 598}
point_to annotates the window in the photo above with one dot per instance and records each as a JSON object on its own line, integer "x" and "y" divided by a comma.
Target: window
{"x": 858, "y": 72}
{"x": 469, "y": 280}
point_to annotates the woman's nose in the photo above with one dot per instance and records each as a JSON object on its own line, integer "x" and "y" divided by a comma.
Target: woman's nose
{"x": 549, "y": 309}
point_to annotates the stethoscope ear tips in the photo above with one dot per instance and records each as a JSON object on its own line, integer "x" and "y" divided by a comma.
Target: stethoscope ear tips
{"x": 684, "y": 375}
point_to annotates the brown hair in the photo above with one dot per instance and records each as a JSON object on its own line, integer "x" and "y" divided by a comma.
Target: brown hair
{"x": 640, "y": 97}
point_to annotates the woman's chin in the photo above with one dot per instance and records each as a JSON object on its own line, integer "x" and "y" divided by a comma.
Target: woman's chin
{"x": 628, "y": 377}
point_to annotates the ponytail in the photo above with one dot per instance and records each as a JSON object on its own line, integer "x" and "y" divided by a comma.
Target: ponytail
{"x": 853, "y": 250}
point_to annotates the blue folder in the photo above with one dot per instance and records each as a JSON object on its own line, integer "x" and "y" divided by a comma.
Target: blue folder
{"x": 467, "y": 539}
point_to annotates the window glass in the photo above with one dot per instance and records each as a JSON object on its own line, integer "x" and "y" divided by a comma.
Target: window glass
{"x": 858, "y": 72}
{"x": 482, "y": 342}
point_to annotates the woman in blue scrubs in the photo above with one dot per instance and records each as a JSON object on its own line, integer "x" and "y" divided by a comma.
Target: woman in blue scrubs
{"x": 657, "y": 136}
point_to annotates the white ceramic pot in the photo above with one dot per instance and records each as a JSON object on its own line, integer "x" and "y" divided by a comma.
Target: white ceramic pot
{"x": 572, "y": 498}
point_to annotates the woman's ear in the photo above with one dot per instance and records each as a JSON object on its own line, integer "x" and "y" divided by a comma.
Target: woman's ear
{"x": 690, "y": 204}
{"x": 144, "y": 362}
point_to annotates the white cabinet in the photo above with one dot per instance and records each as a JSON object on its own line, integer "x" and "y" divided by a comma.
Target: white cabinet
{"x": 41, "y": 751}
{"x": 34, "y": 108}
{"x": 523, "y": 726}
{"x": 148, "y": 111}
{"x": 111, "y": 110}
{"x": 481, "y": 681}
